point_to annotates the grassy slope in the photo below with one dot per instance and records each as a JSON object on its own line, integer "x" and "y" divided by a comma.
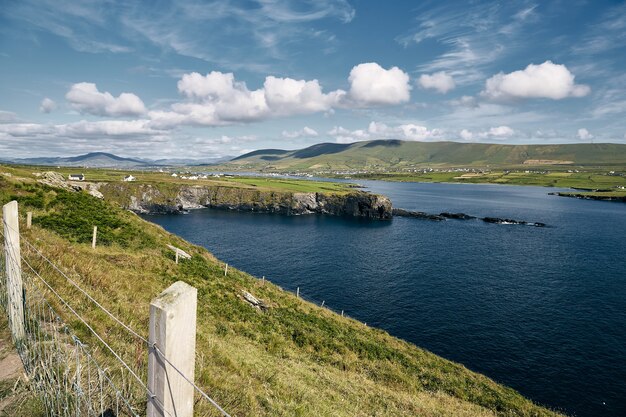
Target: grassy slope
{"x": 399, "y": 154}
{"x": 295, "y": 359}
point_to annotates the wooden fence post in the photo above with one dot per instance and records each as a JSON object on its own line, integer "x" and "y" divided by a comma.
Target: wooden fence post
{"x": 173, "y": 331}
{"x": 298, "y": 292}
{"x": 29, "y": 219}
{"x": 13, "y": 260}
{"x": 226, "y": 270}
{"x": 95, "y": 235}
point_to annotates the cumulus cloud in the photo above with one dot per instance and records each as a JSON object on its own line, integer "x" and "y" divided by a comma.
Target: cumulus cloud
{"x": 372, "y": 85}
{"x": 47, "y": 105}
{"x": 302, "y": 133}
{"x": 546, "y": 80}
{"x": 439, "y": 81}
{"x": 217, "y": 98}
{"x": 498, "y": 132}
{"x": 583, "y": 134}
{"x": 377, "y": 130}
{"x": 86, "y": 98}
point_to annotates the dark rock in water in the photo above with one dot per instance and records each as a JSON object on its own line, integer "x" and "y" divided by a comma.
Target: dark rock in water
{"x": 417, "y": 214}
{"x": 457, "y": 216}
{"x": 497, "y": 220}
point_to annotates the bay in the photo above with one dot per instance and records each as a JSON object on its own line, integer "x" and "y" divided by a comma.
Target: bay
{"x": 542, "y": 310}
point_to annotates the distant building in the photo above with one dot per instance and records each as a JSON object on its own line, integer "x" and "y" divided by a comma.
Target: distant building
{"x": 129, "y": 178}
{"x": 76, "y": 177}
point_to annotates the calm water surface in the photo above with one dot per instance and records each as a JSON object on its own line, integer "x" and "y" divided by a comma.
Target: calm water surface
{"x": 542, "y": 310}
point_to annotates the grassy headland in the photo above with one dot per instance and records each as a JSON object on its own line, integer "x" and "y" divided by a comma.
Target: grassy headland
{"x": 295, "y": 359}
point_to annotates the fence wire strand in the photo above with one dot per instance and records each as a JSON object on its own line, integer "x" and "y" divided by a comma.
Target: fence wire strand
{"x": 61, "y": 367}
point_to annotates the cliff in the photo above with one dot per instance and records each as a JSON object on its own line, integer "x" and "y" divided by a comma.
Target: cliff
{"x": 176, "y": 198}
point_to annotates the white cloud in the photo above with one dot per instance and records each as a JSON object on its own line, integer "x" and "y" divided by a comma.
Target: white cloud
{"x": 372, "y": 85}
{"x": 583, "y": 134}
{"x": 86, "y": 98}
{"x": 286, "y": 96}
{"x": 546, "y": 80}
{"x": 498, "y": 132}
{"x": 47, "y": 105}
{"x": 377, "y": 130}
{"x": 302, "y": 133}
{"x": 440, "y": 81}
{"x": 466, "y": 134}
{"x": 501, "y": 132}
{"x": 82, "y": 129}
{"x": 218, "y": 99}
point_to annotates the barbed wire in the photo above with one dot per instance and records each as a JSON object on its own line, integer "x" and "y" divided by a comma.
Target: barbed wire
{"x": 134, "y": 333}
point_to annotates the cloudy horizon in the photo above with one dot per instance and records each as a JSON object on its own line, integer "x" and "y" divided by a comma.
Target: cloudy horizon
{"x": 195, "y": 79}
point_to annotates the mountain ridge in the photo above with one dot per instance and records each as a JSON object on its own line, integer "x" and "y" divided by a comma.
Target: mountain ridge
{"x": 393, "y": 153}
{"x": 109, "y": 160}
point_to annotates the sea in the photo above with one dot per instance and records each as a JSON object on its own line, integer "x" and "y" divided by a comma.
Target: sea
{"x": 540, "y": 309}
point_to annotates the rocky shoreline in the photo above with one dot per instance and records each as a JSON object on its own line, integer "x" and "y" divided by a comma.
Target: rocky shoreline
{"x": 460, "y": 216}
{"x": 591, "y": 197}
{"x": 149, "y": 199}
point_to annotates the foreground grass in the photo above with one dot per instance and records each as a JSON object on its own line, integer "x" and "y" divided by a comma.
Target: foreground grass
{"x": 16, "y": 399}
{"x": 296, "y": 359}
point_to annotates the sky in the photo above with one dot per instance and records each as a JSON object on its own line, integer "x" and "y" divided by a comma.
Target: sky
{"x": 202, "y": 79}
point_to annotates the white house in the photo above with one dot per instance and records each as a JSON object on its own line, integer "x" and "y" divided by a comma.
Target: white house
{"x": 129, "y": 178}
{"x": 76, "y": 177}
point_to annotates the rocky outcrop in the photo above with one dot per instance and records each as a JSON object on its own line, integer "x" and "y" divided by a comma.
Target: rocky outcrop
{"x": 417, "y": 214}
{"x": 460, "y": 216}
{"x": 54, "y": 179}
{"x": 172, "y": 198}
{"x": 592, "y": 196}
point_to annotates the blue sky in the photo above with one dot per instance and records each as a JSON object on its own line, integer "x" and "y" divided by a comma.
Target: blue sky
{"x": 200, "y": 79}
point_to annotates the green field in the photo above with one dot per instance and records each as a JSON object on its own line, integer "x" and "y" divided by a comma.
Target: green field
{"x": 295, "y": 359}
{"x": 161, "y": 179}
{"x": 592, "y": 179}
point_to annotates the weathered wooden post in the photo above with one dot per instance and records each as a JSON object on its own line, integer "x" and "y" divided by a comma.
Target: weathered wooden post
{"x": 226, "y": 270}
{"x": 298, "y": 292}
{"x": 13, "y": 260}
{"x": 322, "y": 303}
{"x": 95, "y": 235}
{"x": 341, "y": 313}
{"x": 263, "y": 280}
{"x": 29, "y": 219}
{"x": 173, "y": 332}
{"x": 176, "y": 257}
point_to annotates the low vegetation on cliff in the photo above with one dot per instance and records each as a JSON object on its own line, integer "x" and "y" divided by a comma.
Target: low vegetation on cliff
{"x": 293, "y": 359}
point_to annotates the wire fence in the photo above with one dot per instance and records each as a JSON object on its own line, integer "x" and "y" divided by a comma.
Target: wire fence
{"x": 79, "y": 357}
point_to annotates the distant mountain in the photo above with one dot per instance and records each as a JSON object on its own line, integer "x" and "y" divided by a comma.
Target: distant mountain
{"x": 398, "y": 154}
{"x": 108, "y": 160}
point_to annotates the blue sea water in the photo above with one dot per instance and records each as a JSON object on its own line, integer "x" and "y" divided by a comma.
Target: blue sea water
{"x": 542, "y": 310}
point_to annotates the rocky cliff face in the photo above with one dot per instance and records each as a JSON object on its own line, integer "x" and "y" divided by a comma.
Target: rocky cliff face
{"x": 169, "y": 198}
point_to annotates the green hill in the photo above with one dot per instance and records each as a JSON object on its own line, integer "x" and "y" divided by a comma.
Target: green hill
{"x": 397, "y": 154}
{"x": 295, "y": 359}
